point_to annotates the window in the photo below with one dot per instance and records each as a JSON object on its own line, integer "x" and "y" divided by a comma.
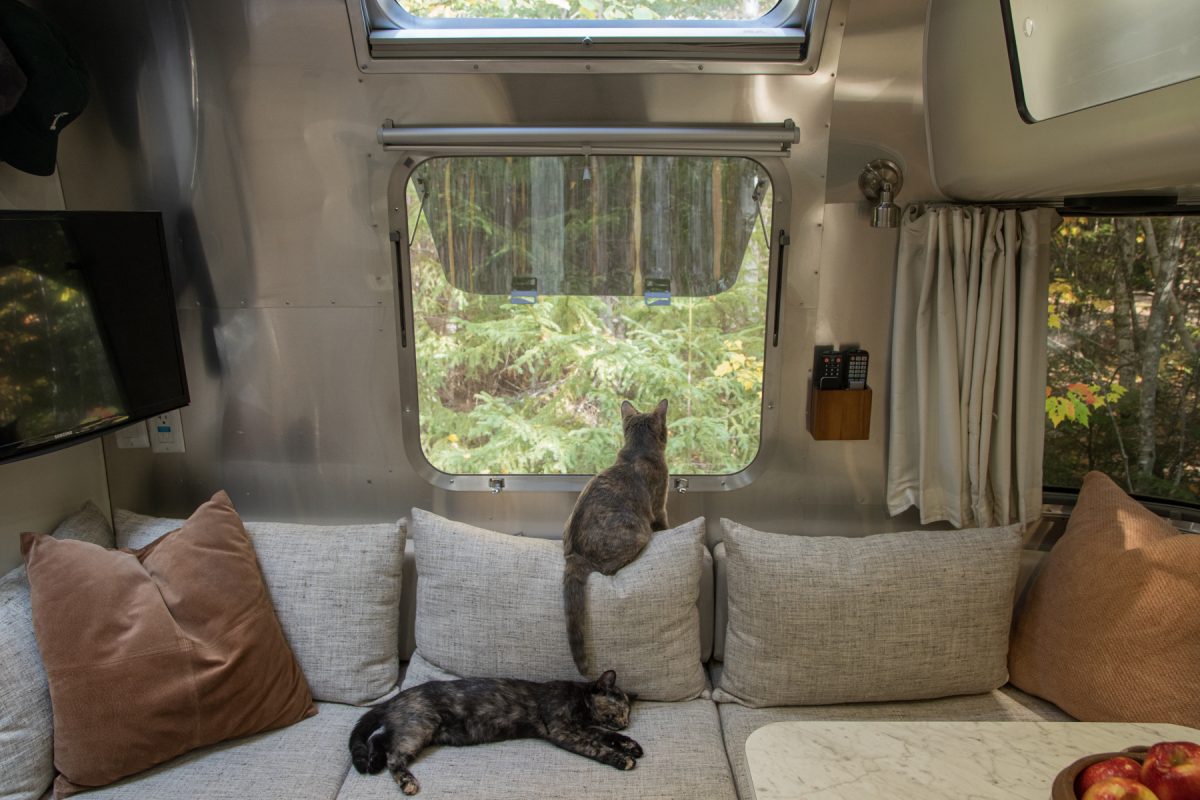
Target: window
{"x": 1069, "y": 55}
{"x": 1123, "y": 393}
{"x": 548, "y": 289}
{"x": 590, "y": 10}
{"x": 609, "y": 35}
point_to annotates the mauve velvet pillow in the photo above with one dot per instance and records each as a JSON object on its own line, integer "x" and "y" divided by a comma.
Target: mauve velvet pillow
{"x": 151, "y": 653}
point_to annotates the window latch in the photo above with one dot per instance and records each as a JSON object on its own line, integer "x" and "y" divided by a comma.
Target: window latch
{"x": 496, "y": 485}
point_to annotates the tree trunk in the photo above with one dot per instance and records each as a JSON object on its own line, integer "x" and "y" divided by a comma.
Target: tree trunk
{"x": 1124, "y": 320}
{"x": 1164, "y": 265}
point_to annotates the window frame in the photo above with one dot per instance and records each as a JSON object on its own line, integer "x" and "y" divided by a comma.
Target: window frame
{"x": 383, "y": 31}
{"x": 1086, "y": 68}
{"x": 410, "y": 423}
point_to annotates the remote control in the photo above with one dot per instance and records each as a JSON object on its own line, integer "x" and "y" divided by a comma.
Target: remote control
{"x": 856, "y": 369}
{"x": 828, "y": 370}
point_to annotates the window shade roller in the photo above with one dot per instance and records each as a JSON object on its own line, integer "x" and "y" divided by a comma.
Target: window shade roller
{"x": 774, "y": 139}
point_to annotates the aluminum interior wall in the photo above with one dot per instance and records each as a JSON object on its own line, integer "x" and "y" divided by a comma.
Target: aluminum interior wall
{"x": 251, "y": 127}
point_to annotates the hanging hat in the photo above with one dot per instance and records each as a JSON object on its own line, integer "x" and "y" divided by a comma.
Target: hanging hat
{"x": 12, "y": 80}
{"x": 56, "y": 89}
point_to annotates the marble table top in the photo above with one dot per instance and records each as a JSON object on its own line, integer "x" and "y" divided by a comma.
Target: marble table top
{"x": 931, "y": 760}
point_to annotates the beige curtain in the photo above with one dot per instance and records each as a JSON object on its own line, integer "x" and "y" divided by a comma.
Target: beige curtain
{"x": 968, "y": 380}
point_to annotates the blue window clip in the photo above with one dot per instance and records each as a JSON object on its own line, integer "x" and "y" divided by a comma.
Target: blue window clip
{"x": 524, "y": 290}
{"x": 657, "y": 291}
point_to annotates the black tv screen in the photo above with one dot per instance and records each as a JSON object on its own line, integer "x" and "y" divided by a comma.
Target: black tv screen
{"x": 89, "y": 338}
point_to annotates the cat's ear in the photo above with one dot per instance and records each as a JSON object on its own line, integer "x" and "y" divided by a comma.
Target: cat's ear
{"x": 661, "y": 410}
{"x": 627, "y": 409}
{"x": 607, "y": 681}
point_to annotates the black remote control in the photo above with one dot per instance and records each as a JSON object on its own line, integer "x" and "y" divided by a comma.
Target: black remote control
{"x": 829, "y": 370}
{"x": 856, "y": 369}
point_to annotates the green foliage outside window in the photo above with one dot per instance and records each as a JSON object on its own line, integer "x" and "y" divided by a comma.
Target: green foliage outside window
{"x": 589, "y": 10}
{"x": 536, "y": 389}
{"x": 1123, "y": 393}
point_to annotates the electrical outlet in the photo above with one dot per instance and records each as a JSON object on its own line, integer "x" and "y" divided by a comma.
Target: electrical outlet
{"x": 133, "y": 436}
{"x": 166, "y": 432}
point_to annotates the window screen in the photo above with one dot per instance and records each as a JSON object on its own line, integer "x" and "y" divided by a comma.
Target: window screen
{"x": 546, "y": 290}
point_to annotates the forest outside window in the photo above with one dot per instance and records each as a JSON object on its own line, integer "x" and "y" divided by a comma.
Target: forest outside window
{"x": 599, "y": 31}
{"x": 1123, "y": 393}
{"x": 548, "y": 289}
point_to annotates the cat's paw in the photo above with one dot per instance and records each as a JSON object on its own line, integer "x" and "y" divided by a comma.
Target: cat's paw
{"x": 407, "y": 783}
{"x": 626, "y": 763}
{"x": 625, "y": 744}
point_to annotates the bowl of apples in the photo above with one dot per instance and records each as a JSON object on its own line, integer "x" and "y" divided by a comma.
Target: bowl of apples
{"x": 1163, "y": 771}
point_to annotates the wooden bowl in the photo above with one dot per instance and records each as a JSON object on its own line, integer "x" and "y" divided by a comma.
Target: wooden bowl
{"x": 1063, "y": 787}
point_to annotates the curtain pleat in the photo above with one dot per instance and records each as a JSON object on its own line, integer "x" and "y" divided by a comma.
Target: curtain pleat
{"x": 969, "y": 366}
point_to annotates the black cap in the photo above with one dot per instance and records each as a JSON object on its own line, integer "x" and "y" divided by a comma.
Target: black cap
{"x": 56, "y": 89}
{"x": 12, "y": 80}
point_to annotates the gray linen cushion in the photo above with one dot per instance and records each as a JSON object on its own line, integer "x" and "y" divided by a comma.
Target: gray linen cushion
{"x": 685, "y": 758}
{"x": 308, "y": 759}
{"x": 896, "y": 616}
{"x": 26, "y": 721}
{"x": 490, "y": 605}
{"x": 336, "y": 591}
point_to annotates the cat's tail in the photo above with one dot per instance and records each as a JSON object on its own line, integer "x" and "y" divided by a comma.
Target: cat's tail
{"x": 367, "y": 753}
{"x": 575, "y": 576}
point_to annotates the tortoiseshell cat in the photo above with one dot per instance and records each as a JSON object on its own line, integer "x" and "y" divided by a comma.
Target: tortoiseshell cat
{"x": 581, "y": 717}
{"x": 615, "y": 515}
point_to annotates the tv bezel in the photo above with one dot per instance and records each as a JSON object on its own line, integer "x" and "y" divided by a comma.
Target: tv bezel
{"x": 77, "y": 436}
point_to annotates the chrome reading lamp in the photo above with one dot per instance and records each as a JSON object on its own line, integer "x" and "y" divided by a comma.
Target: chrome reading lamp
{"x": 880, "y": 181}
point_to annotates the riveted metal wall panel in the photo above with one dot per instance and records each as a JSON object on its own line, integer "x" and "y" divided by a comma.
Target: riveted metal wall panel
{"x": 250, "y": 125}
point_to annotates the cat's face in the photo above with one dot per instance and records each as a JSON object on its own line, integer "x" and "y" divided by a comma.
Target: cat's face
{"x": 609, "y": 705}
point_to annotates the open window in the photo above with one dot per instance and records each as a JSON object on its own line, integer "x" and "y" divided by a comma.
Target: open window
{"x": 609, "y": 35}
{"x": 1069, "y": 55}
{"x": 546, "y": 289}
{"x": 1123, "y": 393}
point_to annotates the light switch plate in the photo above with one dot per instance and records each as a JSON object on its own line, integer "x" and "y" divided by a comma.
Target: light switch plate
{"x": 132, "y": 436}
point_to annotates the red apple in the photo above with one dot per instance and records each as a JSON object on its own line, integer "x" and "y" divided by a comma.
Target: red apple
{"x": 1119, "y": 789}
{"x": 1116, "y": 767}
{"x": 1172, "y": 770}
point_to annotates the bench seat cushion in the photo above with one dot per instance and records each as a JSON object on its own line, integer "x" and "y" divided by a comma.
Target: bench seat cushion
{"x": 306, "y": 760}
{"x": 1006, "y": 704}
{"x": 685, "y": 758}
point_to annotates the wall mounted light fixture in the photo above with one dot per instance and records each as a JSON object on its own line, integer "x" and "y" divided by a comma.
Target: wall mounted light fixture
{"x": 880, "y": 181}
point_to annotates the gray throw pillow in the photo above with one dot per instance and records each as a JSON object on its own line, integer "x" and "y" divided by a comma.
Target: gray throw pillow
{"x": 817, "y": 620}
{"x": 336, "y": 591}
{"x": 490, "y": 605}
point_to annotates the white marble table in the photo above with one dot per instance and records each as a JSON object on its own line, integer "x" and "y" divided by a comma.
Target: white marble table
{"x": 931, "y": 760}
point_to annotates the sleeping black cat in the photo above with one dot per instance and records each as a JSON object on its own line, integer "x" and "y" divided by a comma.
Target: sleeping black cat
{"x": 581, "y": 717}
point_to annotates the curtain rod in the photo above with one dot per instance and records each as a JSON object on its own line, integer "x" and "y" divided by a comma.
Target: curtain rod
{"x": 763, "y": 138}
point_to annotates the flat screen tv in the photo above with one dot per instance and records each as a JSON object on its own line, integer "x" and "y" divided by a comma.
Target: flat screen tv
{"x": 89, "y": 338}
